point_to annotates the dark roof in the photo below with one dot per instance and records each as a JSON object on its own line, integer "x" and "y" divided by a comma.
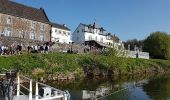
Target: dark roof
{"x": 93, "y": 26}
{"x": 60, "y": 26}
{"x": 23, "y": 11}
{"x": 115, "y": 38}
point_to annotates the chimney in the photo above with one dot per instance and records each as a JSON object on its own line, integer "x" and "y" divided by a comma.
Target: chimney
{"x": 94, "y": 25}
{"x": 64, "y": 25}
{"x": 41, "y": 8}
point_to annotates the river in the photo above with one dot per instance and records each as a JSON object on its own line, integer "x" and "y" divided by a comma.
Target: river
{"x": 142, "y": 87}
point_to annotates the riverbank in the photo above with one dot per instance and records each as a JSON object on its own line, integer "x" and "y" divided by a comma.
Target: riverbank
{"x": 57, "y": 66}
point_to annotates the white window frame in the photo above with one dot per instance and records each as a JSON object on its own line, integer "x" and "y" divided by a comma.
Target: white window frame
{"x": 101, "y": 39}
{"x": 32, "y": 35}
{"x": 33, "y": 25}
{"x": 8, "y": 31}
{"x": 9, "y": 20}
{"x": 42, "y": 36}
{"x": 42, "y": 27}
{"x": 22, "y": 34}
{"x": 96, "y": 38}
{"x": 90, "y": 37}
{"x": 56, "y": 30}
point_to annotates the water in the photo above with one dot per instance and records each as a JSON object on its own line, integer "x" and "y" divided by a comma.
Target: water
{"x": 152, "y": 87}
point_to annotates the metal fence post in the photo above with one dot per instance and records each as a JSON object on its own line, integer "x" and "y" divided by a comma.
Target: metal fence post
{"x": 36, "y": 91}
{"x": 18, "y": 85}
{"x": 30, "y": 90}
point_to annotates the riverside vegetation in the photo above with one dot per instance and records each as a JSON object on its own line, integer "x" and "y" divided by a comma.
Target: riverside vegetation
{"x": 54, "y": 66}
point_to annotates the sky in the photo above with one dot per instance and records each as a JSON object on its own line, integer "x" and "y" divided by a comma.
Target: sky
{"x": 127, "y": 19}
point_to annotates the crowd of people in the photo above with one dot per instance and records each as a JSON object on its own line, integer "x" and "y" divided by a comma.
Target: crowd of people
{"x": 38, "y": 48}
{"x": 18, "y": 49}
{"x": 10, "y": 50}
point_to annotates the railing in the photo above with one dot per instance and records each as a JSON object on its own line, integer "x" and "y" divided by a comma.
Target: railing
{"x": 58, "y": 94}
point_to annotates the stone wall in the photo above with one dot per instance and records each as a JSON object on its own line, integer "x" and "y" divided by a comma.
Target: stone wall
{"x": 21, "y": 27}
{"x": 8, "y": 41}
{"x": 65, "y": 47}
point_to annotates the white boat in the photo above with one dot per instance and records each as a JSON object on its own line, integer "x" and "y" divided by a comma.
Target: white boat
{"x": 36, "y": 91}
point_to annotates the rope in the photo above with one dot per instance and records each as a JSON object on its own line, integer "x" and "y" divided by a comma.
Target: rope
{"x": 113, "y": 93}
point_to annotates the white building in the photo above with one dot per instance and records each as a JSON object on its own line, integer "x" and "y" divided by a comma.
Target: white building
{"x": 60, "y": 33}
{"x": 85, "y": 33}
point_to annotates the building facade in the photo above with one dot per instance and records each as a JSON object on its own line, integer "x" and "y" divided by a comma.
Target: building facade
{"x": 90, "y": 32}
{"x": 60, "y": 33}
{"x": 17, "y": 20}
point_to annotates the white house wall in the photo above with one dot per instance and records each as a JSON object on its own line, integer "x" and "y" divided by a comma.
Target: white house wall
{"x": 78, "y": 35}
{"x": 82, "y": 34}
{"x": 60, "y": 37}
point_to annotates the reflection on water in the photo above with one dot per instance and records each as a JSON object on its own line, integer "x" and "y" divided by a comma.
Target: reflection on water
{"x": 126, "y": 88}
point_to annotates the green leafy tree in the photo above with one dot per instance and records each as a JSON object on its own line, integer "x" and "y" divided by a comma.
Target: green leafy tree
{"x": 158, "y": 45}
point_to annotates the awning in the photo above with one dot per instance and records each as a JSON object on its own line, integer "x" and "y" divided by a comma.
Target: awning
{"x": 96, "y": 44}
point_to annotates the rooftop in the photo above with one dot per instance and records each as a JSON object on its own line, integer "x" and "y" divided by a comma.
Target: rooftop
{"x": 23, "y": 11}
{"x": 64, "y": 27}
{"x": 94, "y": 25}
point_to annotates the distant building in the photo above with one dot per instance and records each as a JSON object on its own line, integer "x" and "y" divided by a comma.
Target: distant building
{"x": 17, "y": 20}
{"x": 60, "y": 33}
{"x": 92, "y": 33}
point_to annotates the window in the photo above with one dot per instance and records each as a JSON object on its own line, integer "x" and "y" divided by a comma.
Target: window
{"x": 42, "y": 27}
{"x": 101, "y": 39}
{"x": 96, "y": 38}
{"x": 42, "y": 36}
{"x": 77, "y": 31}
{"x": 21, "y": 34}
{"x": 77, "y": 38}
{"x": 8, "y": 32}
{"x": 9, "y": 20}
{"x": 33, "y": 25}
{"x": 82, "y": 30}
{"x": 32, "y": 35}
{"x": 56, "y": 30}
{"x": 64, "y": 32}
{"x": 59, "y": 32}
{"x": 90, "y": 37}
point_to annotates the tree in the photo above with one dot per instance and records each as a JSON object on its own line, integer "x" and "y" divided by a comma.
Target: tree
{"x": 158, "y": 45}
{"x": 132, "y": 43}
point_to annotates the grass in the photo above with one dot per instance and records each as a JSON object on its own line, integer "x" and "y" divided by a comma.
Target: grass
{"x": 59, "y": 63}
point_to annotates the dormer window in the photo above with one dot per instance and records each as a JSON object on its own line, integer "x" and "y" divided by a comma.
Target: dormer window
{"x": 9, "y": 20}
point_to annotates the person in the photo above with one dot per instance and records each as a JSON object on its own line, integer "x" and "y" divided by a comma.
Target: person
{"x": 46, "y": 48}
{"x": 0, "y": 50}
{"x": 2, "y": 91}
{"x": 29, "y": 49}
{"x": 36, "y": 49}
{"x": 41, "y": 49}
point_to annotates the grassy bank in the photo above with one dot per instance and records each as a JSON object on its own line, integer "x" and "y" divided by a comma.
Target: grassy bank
{"x": 61, "y": 65}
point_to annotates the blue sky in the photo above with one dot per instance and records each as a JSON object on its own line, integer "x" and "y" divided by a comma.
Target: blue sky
{"x": 127, "y": 19}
